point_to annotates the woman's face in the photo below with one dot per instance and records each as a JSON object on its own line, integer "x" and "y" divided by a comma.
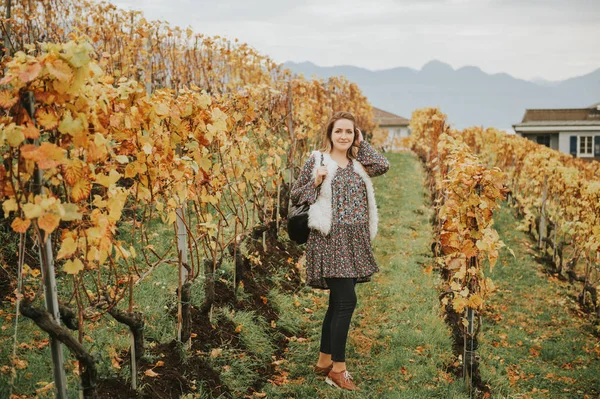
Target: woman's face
{"x": 342, "y": 135}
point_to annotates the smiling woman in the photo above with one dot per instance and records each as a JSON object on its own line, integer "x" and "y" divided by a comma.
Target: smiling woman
{"x": 343, "y": 221}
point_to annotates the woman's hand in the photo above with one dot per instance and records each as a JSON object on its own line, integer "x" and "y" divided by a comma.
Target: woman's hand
{"x": 359, "y": 137}
{"x": 321, "y": 174}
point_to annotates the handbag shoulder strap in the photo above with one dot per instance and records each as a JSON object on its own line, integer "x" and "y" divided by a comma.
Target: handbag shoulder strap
{"x": 316, "y": 154}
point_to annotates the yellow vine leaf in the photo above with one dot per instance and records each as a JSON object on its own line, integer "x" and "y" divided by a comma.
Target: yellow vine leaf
{"x": 78, "y": 54}
{"x": 111, "y": 179}
{"x": 459, "y": 303}
{"x": 69, "y": 212}
{"x": 475, "y": 301}
{"x": 73, "y": 266}
{"x": 122, "y": 159}
{"x": 32, "y": 211}
{"x": 161, "y": 109}
{"x": 70, "y": 126}
{"x": 115, "y": 207}
{"x": 10, "y": 205}
{"x": 14, "y": 135}
{"x": 67, "y": 248}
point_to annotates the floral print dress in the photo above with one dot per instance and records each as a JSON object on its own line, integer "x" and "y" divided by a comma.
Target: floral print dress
{"x": 346, "y": 251}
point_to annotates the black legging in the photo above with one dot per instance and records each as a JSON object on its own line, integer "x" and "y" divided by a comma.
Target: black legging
{"x": 342, "y": 302}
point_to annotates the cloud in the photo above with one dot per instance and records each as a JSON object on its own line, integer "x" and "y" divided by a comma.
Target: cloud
{"x": 553, "y": 39}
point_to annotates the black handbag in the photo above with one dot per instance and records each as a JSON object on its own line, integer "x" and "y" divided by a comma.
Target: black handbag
{"x": 297, "y": 225}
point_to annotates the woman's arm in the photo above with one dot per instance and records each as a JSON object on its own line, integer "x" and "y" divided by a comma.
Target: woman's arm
{"x": 304, "y": 190}
{"x": 374, "y": 163}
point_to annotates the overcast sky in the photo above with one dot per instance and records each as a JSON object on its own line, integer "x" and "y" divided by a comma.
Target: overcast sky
{"x": 551, "y": 39}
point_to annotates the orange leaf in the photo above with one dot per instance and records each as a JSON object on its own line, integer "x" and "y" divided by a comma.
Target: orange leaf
{"x": 20, "y": 363}
{"x": 29, "y": 151}
{"x": 31, "y": 132}
{"x": 81, "y": 190}
{"x": 151, "y": 373}
{"x": 47, "y": 118}
{"x": 7, "y": 99}
{"x": 116, "y": 362}
{"x": 19, "y": 225}
{"x": 48, "y": 155}
{"x": 30, "y": 72}
{"x": 45, "y": 389}
{"x": 60, "y": 70}
{"x": 73, "y": 170}
{"x": 48, "y": 222}
{"x": 469, "y": 249}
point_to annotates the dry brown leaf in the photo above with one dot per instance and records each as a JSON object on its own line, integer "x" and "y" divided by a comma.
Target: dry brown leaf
{"x": 151, "y": 373}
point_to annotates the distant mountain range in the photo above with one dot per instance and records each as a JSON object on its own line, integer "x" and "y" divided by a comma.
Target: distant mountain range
{"x": 467, "y": 95}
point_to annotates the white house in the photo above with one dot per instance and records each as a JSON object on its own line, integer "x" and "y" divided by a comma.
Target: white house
{"x": 396, "y": 126}
{"x": 574, "y": 131}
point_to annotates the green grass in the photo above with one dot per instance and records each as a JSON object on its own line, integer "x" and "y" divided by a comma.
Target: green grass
{"x": 399, "y": 345}
{"x": 285, "y": 307}
{"x": 253, "y": 331}
{"x": 540, "y": 339}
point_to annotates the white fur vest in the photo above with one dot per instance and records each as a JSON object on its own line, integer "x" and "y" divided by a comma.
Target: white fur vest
{"x": 320, "y": 213}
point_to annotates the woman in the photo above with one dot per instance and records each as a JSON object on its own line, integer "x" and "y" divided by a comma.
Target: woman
{"x": 342, "y": 221}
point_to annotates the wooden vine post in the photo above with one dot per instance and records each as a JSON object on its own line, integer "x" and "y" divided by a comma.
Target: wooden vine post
{"x": 542, "y": 225}
{"x": 7, "y": 43}
{"x": 49, "y": 278}
{"x": 469, "y": 350}
{"x": 470, "y": 358}
{"x": 183, "y": 285}
{"x": 293, "y": 143}
{"x": 182, "y": 256}
{"x": 132, "y": 341}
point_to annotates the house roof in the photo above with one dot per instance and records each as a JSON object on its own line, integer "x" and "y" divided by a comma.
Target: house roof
{"x": 597, "y": 105}
{"x": 384, "y": 118}
{"x": 591, "y": 114}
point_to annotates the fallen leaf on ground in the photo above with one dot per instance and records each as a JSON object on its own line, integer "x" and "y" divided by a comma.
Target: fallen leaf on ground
{"x": 151, "y": 373}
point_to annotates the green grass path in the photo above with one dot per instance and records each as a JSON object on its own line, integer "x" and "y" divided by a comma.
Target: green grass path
{"x": 534, "y": 344}
{"x": 399, "y": 346}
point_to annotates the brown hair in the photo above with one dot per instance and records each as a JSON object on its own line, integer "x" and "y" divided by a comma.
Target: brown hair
{"x": 327, "y": 143}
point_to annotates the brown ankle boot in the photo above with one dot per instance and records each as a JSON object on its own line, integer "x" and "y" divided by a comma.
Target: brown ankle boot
{"x": 323, "y": 370}
{"x": 343, "y": 380}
